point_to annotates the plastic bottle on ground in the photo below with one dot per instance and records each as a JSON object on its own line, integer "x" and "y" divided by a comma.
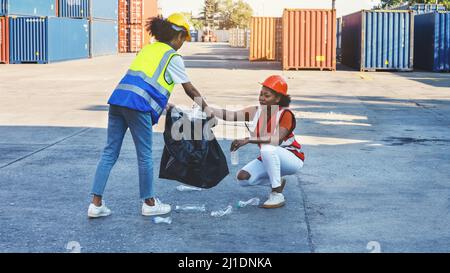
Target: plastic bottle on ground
{"x": 220, "y": 213}
{"x": 251, "y": 202}
{"x": 201, "y": 208}
{"x": 165, "y": 220}
{"x": 187, "y": 188}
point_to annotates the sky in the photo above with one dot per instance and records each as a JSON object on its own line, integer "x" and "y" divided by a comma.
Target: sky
{"x": 271, "y": 7}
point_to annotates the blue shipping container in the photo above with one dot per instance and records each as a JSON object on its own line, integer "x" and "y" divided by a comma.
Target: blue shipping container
{"x": 378, "y": 40}
{"x": 73, "y": 8}
{"x": 104, "y": 38}
{"x": 47, "y": 39}
{"x": 105, "y": 9}
{"x": 28, "y": 7}
{"x": 422, "y": 8}
{"x": 432, "y": 42}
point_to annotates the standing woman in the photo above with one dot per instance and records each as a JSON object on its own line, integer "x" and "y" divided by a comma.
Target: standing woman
{"x": 138, "y": 102}
{"x": 280, "y": 153}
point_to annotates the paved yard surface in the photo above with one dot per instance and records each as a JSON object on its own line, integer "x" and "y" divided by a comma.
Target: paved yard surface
{"x": 377, "y": 169}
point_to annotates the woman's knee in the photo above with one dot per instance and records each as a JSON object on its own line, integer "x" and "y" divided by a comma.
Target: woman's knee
{"x": 243, "y": 175}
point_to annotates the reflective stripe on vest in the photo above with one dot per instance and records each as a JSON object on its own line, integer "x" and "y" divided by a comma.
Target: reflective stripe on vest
{"x": 289, "y": 143}
{"x": 144, "y": 87}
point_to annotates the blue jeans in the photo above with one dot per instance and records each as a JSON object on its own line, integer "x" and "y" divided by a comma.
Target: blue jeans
{"x": 140, "y": 124}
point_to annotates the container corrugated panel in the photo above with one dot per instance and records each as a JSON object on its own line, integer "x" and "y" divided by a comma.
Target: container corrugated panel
{"x": 150, "y": 9}
{"x": 104, "y": 38}
{"x": 136, "y": 11}
{"x": 378, "y": 40}
{"x": 131, "y": 12}
{"x": 130, "y": 38}
{"x": 28, "y": 7}
{"x": 4, "y": 40}
{"x": 238, "y": 37}
{"x": 105, "y": 9}
{"x": 432, "y": 41}
{"x": 309, "y": 39}
{"x": 422, "y": 8}
{"x": 73, "y": 8}
{"x": 123, "y": 14}
{"x": 263, "y": 38}
{"x": 48, "y": 39}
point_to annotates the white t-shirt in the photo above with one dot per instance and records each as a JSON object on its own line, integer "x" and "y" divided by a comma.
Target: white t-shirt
{"x": 176, "y": 71}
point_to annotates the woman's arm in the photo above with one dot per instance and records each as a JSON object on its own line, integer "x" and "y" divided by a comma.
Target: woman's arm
{"x": 240, "y": 115}
{"x": 275, "y": 139}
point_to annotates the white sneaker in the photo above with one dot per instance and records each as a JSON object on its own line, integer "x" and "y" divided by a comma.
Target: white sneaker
{"x": 158, "y": 209}
{"x": 276, "y": 200}
{"x": 95, "y": 212}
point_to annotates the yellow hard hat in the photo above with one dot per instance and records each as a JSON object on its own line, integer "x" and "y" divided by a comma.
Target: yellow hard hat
{"x": 178, "y": 19}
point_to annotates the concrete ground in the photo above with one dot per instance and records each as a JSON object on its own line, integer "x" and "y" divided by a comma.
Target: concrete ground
{"x": 376, "y": 177}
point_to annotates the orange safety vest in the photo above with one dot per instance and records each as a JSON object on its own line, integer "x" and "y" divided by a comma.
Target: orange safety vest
{"x": 289, "y": 142}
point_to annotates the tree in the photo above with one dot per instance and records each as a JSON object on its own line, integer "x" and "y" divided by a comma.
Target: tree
{"x": 235, "y": 14}
{"x": 391, "y": 3}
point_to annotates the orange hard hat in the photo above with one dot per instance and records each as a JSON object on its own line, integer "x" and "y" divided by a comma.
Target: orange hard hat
{"x": 277, "y": 84}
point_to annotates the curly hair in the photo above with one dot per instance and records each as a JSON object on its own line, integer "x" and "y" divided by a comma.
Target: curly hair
{"x": 163, "y": 30}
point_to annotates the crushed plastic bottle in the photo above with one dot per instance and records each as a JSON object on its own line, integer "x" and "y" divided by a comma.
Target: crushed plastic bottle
{"x": 201, "y": 208}
{"x": 220, "y": 213}
{"x": 251, "y": 202}
{"x": 166, "y": 220}
{"x": 187, "y": 188}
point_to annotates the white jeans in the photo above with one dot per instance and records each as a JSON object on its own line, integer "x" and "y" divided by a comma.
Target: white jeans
{"x": 276, "y": 162}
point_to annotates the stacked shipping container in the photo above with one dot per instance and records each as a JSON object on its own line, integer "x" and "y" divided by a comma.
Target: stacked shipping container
{"x": 432, "y": 41}
{"x": 28, "y": 7}
{"x": 378, "y": 40}
{"x": 48, "y": 39}
{"x": 131, "y": 25}
{"x": 103, "y": 27}
{"x": 150, "y": 9}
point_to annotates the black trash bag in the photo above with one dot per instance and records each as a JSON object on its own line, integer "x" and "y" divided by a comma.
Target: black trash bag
{"x": 191, "y": 155}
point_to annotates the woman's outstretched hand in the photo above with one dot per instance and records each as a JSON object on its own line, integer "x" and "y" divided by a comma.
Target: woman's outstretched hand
{"x": 238, "y": 143}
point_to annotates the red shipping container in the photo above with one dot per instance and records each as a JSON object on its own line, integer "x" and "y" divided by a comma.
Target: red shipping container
{"x": 150, "y": 9}
{"x": 131, "y": 11}
{"x": 4, "y": 40}
{"x": 136, "y": 11}
{"x": 266, "y": 38}
{"x": 309, "y": 39}
{"x": 130, "y": 38}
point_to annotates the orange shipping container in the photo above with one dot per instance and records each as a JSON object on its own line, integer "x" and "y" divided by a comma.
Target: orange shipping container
{"x": 266, "y": 39}
{"x": 4, "y": 40}
{"x": 309, "y": 39}
{"x": 130, "y": 38}
{"x": 131, "y": 11}
{"x": 150, "y": 9}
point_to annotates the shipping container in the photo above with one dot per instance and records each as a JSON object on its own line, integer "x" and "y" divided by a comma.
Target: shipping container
{"x": 104, "y": 37}
{"x": 378, "y": 40}
{"x": 4, "y": 40}
{"x": 194, "y": 35}
{"x": 421, "y": 8}
{"x": 309, "y": 39}
{"x": 238, "y": 37}
{"x": 73, "y": 8}
{"x": 223, "y": 36}
{"x": 105, "y": 9}
{"x": 47, "y": 39}
{"x": 266, "y": 38}
{"x": 151, "y": 9}
{"x": 131, "y": 11}
{"x": 432, "y": 41}
{"x": 28, "y": 7}
{"x": 130, "y": 38}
